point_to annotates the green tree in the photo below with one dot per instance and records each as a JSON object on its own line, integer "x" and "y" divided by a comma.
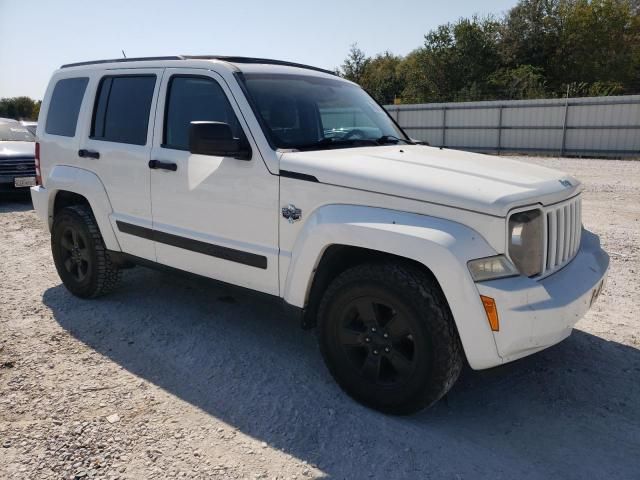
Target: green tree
{"x": 35, "y": 111}
{"x": 419, "y": 86}
{"x": 382, "y": 78}
{"x": 539, "y": 49}
{"x": 18, "y": 108}
{"x": 575, "y": 42}
{"x": 522, "y": 82}
{"x": 597, "y": 43}
{"x": 355, "y": 64}
{"x": 531, "y": 34}
{"x": 459, "y": 57}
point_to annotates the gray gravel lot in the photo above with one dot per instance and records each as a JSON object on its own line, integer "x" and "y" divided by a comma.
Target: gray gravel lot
{"x": 172, "y": 376}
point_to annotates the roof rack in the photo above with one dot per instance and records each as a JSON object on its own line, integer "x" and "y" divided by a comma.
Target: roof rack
{"x": 121, "y": 60}
{"x": 267, "y": 61}
{"x": 224, "y": 58}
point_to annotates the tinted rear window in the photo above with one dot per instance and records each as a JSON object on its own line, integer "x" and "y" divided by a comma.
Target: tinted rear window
{"x": 64, "y": 107}
{"x": 122, "y": 109}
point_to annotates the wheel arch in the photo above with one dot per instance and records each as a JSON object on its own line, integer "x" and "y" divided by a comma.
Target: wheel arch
{"x": 75, "y": 186}
{"x": 336, "y": 259}
{"x": 336, "y": 237}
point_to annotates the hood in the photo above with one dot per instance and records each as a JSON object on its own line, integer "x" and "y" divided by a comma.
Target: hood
{"x": 472, "y": 181}
{"x": 17, "y": 149}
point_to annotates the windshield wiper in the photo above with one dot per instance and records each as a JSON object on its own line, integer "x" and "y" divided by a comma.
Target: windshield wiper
{"x": 391, "y": 139}
{"x": 338, "y": 142}
{"x": 333, "y": 142}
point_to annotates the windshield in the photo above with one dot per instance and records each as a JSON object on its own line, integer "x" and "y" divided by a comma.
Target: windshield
{"x": 314, "y": 113}
{"x": 14, "y": 132}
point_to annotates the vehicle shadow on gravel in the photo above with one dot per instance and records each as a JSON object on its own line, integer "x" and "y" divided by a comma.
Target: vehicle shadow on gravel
{"x": 572, "y": 411}
{"x": 15, "y": 202}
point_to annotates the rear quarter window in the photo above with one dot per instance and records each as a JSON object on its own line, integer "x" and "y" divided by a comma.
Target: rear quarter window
{"x": 122, "y": 109}
{"x": 64, "y": 107}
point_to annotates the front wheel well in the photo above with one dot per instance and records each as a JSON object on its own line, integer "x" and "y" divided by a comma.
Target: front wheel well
{"x": 339, "y": 258}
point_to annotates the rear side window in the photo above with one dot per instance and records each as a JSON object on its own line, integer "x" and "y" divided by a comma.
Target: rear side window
{"x": 191, "y": 99}
{"x": 64, "y": 106}
{"x": 122, "y": 108}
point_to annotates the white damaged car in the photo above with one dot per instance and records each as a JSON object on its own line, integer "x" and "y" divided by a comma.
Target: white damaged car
{"x": 290, "y": 181}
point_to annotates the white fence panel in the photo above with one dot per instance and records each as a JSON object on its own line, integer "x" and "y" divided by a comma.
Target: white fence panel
{"x": 598, "y": 126}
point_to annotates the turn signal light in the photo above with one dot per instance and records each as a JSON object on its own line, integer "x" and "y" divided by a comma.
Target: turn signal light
{"x": 490, "y": 308}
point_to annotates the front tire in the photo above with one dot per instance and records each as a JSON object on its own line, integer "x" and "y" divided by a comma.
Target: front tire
{"x": 388, "y": 337}
{"x": 79, "y": 253}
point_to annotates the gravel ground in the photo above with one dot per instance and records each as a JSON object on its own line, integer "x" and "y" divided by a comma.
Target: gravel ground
{"x": 177, "y": 377}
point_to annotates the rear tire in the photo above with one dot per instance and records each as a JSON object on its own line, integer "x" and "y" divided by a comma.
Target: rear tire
{"x": 79, "y": 253}
{"x": 388, "y": 337}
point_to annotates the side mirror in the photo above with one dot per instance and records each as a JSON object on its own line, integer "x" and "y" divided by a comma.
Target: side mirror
{"x": 215, "y": 138}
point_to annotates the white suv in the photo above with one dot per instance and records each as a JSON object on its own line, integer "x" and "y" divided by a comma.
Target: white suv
{"x": 288, "y": 180}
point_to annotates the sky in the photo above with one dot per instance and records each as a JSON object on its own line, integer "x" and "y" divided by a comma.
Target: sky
{"x": 37, "y": 36}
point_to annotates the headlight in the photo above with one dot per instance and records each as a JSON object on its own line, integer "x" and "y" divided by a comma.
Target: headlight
{"x": 491, "y": 268}
{"x": 526, "y": 241}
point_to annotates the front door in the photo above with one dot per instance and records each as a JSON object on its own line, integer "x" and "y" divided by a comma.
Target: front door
{"x": 214, "y": 216}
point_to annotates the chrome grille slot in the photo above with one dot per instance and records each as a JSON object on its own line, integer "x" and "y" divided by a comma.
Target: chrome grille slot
{"x": 564, "y": 228}
{"x": 17, "y": 166}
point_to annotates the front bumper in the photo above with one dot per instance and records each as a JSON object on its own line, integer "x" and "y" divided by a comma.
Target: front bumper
{"x": 535, "y": 314}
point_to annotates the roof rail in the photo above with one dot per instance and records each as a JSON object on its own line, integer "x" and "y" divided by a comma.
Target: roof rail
{"x": 268, "y": 61}
{"x": 223, "y": 58}
{"x": 121, "y": 60}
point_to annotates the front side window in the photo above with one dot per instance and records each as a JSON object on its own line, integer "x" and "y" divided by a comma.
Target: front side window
{"x": 64, "y": 107}
{"x": 314, "y": 113}
{"x": 122, "y": 109}
{"x": 191, "y": 99}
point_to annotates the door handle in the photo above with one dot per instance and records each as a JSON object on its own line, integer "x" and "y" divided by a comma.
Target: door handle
{"x": 88, "y": 153}
{"x": 160, "y": 165}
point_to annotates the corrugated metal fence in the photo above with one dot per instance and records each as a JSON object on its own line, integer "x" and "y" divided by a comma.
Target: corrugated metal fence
{"x": 596, "y": 126}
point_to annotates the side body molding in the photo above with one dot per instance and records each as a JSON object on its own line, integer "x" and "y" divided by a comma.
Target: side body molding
{"x": 443, "y": 246}
{"x": 87, "y": 184}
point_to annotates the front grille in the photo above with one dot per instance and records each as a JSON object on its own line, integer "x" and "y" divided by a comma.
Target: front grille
{"x": 18, "y": 167}
{"x": 563, "y": 232}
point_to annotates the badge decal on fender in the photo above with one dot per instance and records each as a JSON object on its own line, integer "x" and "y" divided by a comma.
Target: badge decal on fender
{"x": 291, "y": 213}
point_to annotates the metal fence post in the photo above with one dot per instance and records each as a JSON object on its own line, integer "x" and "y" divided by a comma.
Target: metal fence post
{"x": 444, "y": 126}
{"x": 564, "y": 123}
{"x": 500, "y": 129}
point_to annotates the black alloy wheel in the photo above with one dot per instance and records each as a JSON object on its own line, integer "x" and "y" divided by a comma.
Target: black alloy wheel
{"x": 378, "y": 341}
{"x": 388, "y": 337}
{"x": 81, "y": 258}
{"x": 75, "y": 250}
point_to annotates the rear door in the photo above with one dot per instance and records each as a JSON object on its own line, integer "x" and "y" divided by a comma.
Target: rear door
{"x": 117, "y": 148}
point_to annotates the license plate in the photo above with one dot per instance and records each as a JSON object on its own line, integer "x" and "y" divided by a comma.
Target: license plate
{"x": 25, "y": 181}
